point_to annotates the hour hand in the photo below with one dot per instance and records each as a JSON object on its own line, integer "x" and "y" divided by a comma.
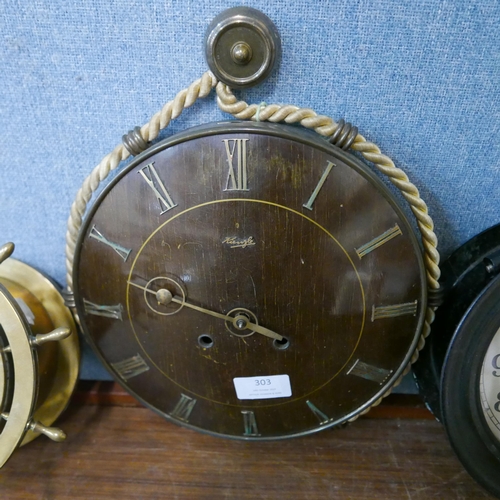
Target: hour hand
{"x": 240, "y": 322}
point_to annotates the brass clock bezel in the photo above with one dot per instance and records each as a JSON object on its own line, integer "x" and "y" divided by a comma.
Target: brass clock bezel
{"x": 25, "y": 387}
{"x": 67, "y": 351}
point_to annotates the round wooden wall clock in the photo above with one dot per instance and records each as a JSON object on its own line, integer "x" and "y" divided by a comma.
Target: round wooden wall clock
{"x": 459, "y": 370}
{"x": 250, "y": 280}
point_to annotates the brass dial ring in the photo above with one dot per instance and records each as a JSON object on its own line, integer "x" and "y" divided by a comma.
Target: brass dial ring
{"x": 56, "y": 371}
{"x": 18, "y": 414}
{"x": 2, "y": 381}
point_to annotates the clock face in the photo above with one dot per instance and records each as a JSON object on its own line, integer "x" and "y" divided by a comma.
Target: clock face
{"x": 489, "y": 387}
{"x": 251, "y": 281}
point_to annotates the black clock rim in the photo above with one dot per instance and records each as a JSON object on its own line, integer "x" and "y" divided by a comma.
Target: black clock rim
{"x": 468, "y": 432}
{"x": 284, "y": 131}
{"x": 464, "y": 275}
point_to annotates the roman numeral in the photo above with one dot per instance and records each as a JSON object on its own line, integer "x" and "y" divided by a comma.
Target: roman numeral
{"x": 369, "y": 372}
{"x": 322, "y": 417}
{"x": 318, "y": 187}
{"x": 183, "y": 408}
{"x": 121, "y": 251}
{"x": 378, "y": 241}
{"x": 130, "y": 367}
{"x": 114, "y": 311}
{"x": 249, "y": 423}
{"x": 150, "y": 175}
{"x": 406, "y": 309}
{"x": 237, "y": 180}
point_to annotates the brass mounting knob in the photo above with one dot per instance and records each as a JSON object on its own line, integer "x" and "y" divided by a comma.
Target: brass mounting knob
{"x": 242, "y": 47}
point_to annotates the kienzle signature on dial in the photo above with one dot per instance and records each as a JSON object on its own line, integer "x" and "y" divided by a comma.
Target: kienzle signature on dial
{"x": 234, "y": 242}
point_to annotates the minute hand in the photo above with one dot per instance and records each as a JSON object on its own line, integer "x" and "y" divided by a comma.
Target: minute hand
{"x": 250, "y": 326}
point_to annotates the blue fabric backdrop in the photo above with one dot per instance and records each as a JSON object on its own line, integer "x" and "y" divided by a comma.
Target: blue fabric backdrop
{"x": 421, "y": 79}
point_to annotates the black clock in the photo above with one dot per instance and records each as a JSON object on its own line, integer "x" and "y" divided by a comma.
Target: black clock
{"x": 459, "y": 369}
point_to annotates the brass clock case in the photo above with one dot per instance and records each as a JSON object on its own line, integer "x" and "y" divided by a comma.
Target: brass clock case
{"x": 19, "y": 395}
{"x": 239, "y": 251}
{"x": 37, "y": 376}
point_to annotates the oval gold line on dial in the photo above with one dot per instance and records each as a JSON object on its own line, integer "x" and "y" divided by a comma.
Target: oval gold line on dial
{"x": 355, "y": 276}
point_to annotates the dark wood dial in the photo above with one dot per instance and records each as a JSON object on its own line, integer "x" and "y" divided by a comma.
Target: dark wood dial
{"x": 250, "y": 280}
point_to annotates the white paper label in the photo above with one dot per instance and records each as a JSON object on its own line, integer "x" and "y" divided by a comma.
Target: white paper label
{"x": 263, "y": 387}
